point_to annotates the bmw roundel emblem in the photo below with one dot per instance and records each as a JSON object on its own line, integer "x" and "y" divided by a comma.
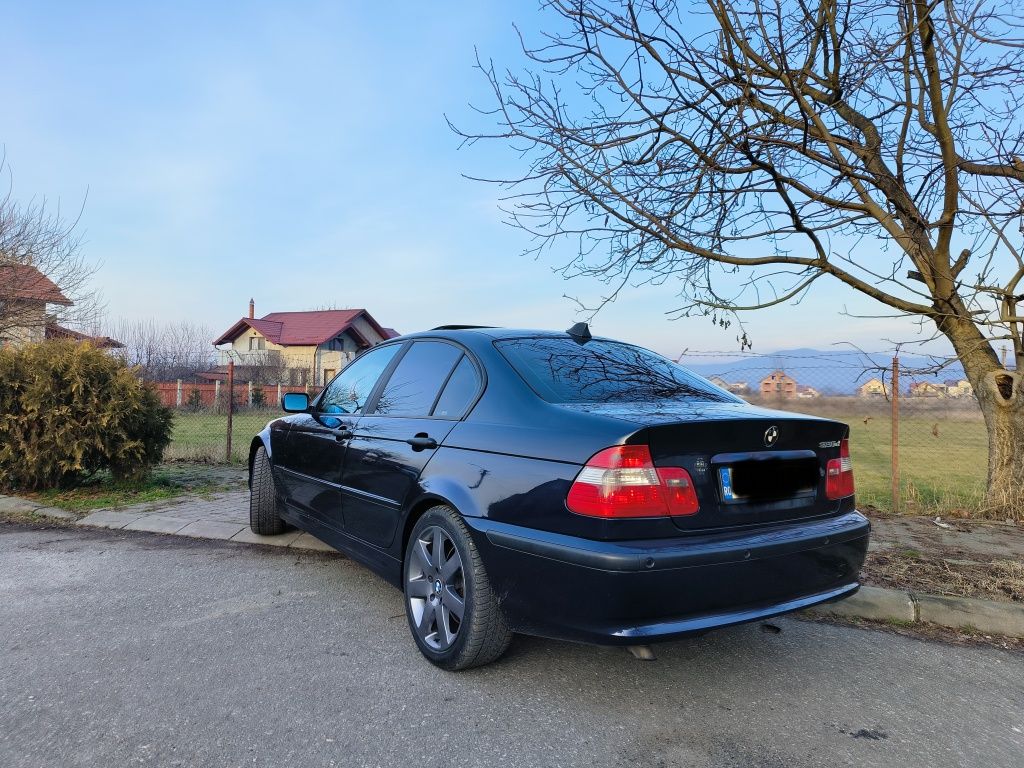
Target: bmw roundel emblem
{"x": 771, "y": 436}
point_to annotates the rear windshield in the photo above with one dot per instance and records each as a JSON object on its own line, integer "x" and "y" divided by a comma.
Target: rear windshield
{"x": 563, "y": 371}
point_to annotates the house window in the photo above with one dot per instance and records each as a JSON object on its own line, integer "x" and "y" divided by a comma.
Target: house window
{"x": 257, "y": 342}
{"x": 328, "y": 375}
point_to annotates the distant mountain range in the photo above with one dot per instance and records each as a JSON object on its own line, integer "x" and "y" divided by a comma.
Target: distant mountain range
{"x": 829, "y": 372}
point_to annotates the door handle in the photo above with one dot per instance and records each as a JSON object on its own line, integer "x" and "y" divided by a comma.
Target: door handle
{"x": 342, "y": 434}
{"x": 422, "y": 441}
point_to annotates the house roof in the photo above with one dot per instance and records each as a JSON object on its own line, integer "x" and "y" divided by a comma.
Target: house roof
{"x": 305, "y": 328}
{"x": 21, "y": 281}
{"x": 54, "y": 331}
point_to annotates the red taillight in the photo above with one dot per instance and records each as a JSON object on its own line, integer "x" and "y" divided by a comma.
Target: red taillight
{"x": 839, "y": 474}
{"x": 622, "y": 481}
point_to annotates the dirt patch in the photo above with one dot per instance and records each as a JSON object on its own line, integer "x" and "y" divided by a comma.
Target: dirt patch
{"x": 946, "y": 557}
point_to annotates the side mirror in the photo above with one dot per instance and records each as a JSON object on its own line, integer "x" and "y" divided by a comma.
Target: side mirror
{"x": 295, "y": 402}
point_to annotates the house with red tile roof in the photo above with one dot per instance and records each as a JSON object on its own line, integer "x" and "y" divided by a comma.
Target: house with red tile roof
{"x": 25, "y": 293}
{"x": 298, "y": 348}
{"x": 25, "y": 318}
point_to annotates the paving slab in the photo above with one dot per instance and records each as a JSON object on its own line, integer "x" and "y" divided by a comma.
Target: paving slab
{"x": 158, "y": 524}
{"x": 873, "y": 603}
{"x": 246, "y": 536}
{"x": 990, "y": 616}
{"x": 56, "y": 514}
{"x": 108, "y": 518}
{"x": 210, "y": 529}
{"x": 17, "y": 505}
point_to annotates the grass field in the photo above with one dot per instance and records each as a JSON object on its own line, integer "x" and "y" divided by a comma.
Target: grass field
{"x": 942, "y": 452}
{"x": 203, "y": 435}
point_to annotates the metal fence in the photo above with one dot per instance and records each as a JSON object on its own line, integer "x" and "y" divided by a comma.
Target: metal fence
{"x": 917, "y": 436}
{"x": 215, "y": 421}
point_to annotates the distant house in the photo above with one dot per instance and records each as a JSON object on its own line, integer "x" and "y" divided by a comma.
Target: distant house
{"x": 54, "y": 331}
{"x": 778, "y": 385}
{"x": 872, "y": 388}
{"x": 740, "y": 388}
{"x": 959, "y": 388}
{"x": 25, "y": 293}
{"x": 805, "y": 392}
{"x": 928, "y": 389}
{"x": 298, "y": 348}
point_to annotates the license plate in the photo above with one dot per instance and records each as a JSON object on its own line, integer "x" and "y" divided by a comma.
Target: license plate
{"x": 725, "y": 481}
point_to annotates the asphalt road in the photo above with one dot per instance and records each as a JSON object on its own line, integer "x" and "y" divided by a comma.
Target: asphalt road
{"x": 138, "y": 649}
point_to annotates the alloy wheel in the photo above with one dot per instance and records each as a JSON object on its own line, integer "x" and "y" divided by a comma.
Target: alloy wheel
{"x": 436, "y": 588}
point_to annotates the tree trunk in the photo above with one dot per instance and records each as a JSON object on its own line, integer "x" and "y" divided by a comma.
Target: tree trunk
{"x": 1000, "y": 393}
{"x": 1001, "y": 397}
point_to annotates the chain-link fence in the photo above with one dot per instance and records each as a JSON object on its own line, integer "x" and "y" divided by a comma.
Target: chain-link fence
{"x": 917, "y": 437}
{"x": 918, "y": 440}
{"x": 203, "y": 411}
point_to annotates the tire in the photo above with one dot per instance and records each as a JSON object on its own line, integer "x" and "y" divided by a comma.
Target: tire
{"x": 263, "y": 516}
{"x": 436, "y": 590}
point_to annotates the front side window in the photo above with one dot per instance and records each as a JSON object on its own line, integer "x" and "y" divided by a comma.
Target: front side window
{"x": 563, "y": 371}
{"x": 349, "y": 392}
{"x": 419, "y": 376}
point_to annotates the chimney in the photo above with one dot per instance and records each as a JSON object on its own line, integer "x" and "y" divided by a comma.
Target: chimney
{"x": 252, "y": 309}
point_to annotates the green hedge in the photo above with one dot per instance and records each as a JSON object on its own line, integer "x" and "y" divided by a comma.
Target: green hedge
{"x": 68, "y": 410}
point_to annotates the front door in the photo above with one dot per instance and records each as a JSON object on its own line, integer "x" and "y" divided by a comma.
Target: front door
{"x": 395, "y": 440}
{"x": 317, "y": 442}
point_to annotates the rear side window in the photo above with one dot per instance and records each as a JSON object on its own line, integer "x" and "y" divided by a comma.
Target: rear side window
{"x": 458, "y": 392}
{"x": 419, "y": 376}
{"x": 562, "y": 371}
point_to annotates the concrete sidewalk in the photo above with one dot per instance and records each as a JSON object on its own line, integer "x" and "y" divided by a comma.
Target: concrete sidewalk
{"x": 222, "y": 516}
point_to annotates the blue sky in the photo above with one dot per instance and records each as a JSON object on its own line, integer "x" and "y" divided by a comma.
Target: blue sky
{"x": 298, "y": 153}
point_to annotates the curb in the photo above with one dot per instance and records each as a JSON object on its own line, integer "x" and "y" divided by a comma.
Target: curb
{"x": 898, "y": 606}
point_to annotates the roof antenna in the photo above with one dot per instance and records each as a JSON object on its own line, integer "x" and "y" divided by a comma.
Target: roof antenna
{"x": 580, "y": 333}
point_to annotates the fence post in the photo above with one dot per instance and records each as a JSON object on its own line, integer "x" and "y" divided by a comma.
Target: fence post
{"x": 895, "y": 434}
{"x": 249, "y": 403}
{"x": 231, "y": 403}
{"x": 279, "y": 394}
{"x": 177, "y": 399}
{"x": 216, "y": 394}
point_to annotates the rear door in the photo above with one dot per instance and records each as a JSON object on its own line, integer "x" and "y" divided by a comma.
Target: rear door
{"x": 427, "y": 392}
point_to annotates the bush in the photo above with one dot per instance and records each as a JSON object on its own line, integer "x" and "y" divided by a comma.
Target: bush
{"x": 195, "y": 400}
{"x": 259, "y": 399}
{"x": 68, "y": 410}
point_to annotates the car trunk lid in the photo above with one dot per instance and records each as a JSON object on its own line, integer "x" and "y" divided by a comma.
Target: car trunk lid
{"x": 751, "y": 469}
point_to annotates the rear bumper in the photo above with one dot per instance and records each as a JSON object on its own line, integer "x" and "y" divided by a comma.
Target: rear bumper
{"x": 622, "y": 593}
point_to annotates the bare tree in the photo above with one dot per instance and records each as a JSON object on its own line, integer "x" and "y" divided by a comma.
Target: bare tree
{"x": 164, "y": 352}
{"x": 266, "y": 366}
{"x": 749, "y": 148}
{"x": 44, "y": 278}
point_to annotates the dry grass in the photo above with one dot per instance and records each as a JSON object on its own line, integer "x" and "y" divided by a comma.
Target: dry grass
{"x": 946, "y": 572}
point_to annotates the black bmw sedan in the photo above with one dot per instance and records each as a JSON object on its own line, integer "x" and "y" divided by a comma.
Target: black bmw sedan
{"x": 562, "y": 485}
